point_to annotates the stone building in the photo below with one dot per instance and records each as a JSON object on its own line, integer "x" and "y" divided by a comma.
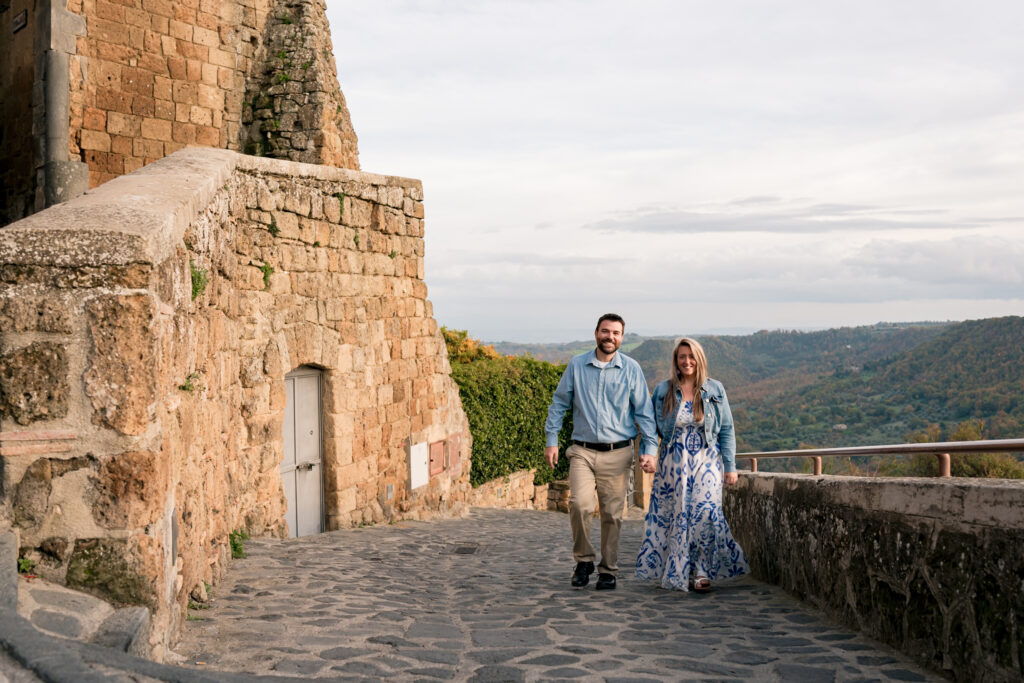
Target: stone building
{"x": 93, "y": 89}
{"x": 207, "y": 342}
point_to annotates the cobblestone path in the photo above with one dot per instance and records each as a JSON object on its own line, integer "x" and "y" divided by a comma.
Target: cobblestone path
{"x": 487, "y": 598}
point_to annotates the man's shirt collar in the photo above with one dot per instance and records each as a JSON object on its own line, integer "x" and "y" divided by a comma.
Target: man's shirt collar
{"x": 615, "y": 362}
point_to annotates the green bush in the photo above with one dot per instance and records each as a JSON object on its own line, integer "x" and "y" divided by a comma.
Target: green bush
{"x": 506, "y": 400}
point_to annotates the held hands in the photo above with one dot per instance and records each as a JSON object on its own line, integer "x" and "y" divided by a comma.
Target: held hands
{"x": 648, "y": 463}
{"x": 730, "y": 478}
{"x": 551, "y": 455}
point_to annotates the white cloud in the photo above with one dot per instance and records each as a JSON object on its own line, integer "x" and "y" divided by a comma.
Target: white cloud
{"x": 755, "y": 164}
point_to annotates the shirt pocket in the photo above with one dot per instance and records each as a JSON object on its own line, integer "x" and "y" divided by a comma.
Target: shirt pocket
{"x": 616, "y": 388}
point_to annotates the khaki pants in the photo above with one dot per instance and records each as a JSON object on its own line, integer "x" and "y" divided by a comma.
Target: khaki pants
{"x": 597, "y": 477}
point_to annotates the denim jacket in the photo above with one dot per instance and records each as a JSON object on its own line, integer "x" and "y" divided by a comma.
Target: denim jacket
{"x": 718, "y": 425}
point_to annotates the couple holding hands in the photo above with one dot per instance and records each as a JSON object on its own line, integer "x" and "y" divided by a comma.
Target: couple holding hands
{"x": 687, "y": 541}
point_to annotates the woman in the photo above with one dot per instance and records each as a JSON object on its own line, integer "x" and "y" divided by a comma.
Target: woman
{"x": 687, "y": 541}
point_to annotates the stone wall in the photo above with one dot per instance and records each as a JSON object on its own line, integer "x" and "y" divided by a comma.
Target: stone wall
{"x": 145, "y": 332}
{"x": 515, "y": 490}
{"x": 932, "y": 567}
{"x": 117, "y": 84}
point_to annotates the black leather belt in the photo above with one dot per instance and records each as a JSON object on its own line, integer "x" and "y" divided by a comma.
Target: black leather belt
{"x": 603, "y": 446}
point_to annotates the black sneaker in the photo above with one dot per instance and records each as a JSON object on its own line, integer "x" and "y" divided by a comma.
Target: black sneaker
{"x": 605, "y": 582}
{"x": 581, "y": 575}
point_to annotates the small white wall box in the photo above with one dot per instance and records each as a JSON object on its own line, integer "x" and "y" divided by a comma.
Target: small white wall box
{"x": 419, "y": 465}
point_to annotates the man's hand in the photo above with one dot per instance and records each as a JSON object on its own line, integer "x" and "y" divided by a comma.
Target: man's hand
{"x": 551, "y": 455}
{"x": 731, "y": 478}
{"x": 648, "y": 463}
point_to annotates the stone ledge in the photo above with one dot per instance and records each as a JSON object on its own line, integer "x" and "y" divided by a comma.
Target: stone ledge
{"x": 955, "y": 501}
{"x": 142, "y": 217}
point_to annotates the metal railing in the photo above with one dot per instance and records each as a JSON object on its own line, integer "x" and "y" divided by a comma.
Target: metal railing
{"x": 940, "y": 450}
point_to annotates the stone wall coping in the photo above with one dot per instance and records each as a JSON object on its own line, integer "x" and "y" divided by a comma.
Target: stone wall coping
{"x": 957, "y": 500}
{"x": 142, "y": 217}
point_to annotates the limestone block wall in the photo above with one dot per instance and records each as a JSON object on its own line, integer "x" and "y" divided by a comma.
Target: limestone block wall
{"x": 120, "y": 83}
{"x": 145, "y": 332}
{"x": 932, "y": 567}
{"x": 515, "y": 490}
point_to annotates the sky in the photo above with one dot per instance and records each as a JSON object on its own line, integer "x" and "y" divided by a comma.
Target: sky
{"x": 699, "y": 167}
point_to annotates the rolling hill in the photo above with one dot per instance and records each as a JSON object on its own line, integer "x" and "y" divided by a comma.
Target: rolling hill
{"x": 855, "y": 386}
{"x": 970, "y": 370}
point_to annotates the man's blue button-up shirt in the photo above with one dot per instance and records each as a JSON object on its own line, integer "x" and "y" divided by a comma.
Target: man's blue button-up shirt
{"x": 608, "y": 403}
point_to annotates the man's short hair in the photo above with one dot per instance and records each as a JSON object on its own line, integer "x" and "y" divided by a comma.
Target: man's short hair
{"x": 614, "y": 317}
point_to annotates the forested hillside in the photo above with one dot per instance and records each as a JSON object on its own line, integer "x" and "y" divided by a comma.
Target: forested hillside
{"x": 858, "y": 386}
{"x": 970, "y": 370}
{"x": 771, "y": 362}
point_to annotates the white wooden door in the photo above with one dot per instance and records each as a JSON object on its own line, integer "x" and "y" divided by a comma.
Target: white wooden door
{"x": 302, "y": 467}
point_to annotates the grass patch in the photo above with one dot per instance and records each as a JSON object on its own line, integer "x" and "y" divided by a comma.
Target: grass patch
{"x": 190, "y": 384}
{"x": 237, "y": 540}
{"x": 200, "y": 278}
{"x": 268, "y": 270}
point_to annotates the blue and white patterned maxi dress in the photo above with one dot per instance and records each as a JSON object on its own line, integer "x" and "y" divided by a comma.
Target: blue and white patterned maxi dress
{"x": 685, "y": 530}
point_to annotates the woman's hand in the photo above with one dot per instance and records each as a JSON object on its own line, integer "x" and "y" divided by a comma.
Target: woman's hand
{"x": 731, "y": 478}
{"x": 647, "y": 463}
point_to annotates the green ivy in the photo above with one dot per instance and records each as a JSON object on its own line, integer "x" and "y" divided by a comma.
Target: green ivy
{"x": 506, "y": 401}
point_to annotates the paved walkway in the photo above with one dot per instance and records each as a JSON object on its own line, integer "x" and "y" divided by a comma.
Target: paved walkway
{"x": 487, "y": 598}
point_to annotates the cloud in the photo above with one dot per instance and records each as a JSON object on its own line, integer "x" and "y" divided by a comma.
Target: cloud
{"x": 985, "y": 267}
{"x": 809, "y": 219}
{"x": 576, "y": 154}
{"x": 976, "y": 267}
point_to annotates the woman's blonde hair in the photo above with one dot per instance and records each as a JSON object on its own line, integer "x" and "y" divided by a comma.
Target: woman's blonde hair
{"x": 676, "y": 378}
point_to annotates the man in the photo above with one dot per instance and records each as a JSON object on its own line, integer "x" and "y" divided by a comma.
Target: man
{"x": 609, "y": 398}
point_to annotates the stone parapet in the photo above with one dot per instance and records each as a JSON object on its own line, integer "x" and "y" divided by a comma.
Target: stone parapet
{"x": 932, "y": 567}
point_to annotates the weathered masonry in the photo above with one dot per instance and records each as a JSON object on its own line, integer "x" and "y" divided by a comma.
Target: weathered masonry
{"x": 93, "y": 89}
{"x": 930, "y": 566}
{"x": 218, "y": 342}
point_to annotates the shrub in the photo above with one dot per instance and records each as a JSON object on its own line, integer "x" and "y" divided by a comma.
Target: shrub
{"x": 987, "y": 465}
{"x": 237, "y": 540}
{"x": 506, "y": 401}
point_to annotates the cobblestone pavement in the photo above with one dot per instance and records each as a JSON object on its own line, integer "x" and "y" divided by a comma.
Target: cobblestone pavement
{"x": 487, "y": 598}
